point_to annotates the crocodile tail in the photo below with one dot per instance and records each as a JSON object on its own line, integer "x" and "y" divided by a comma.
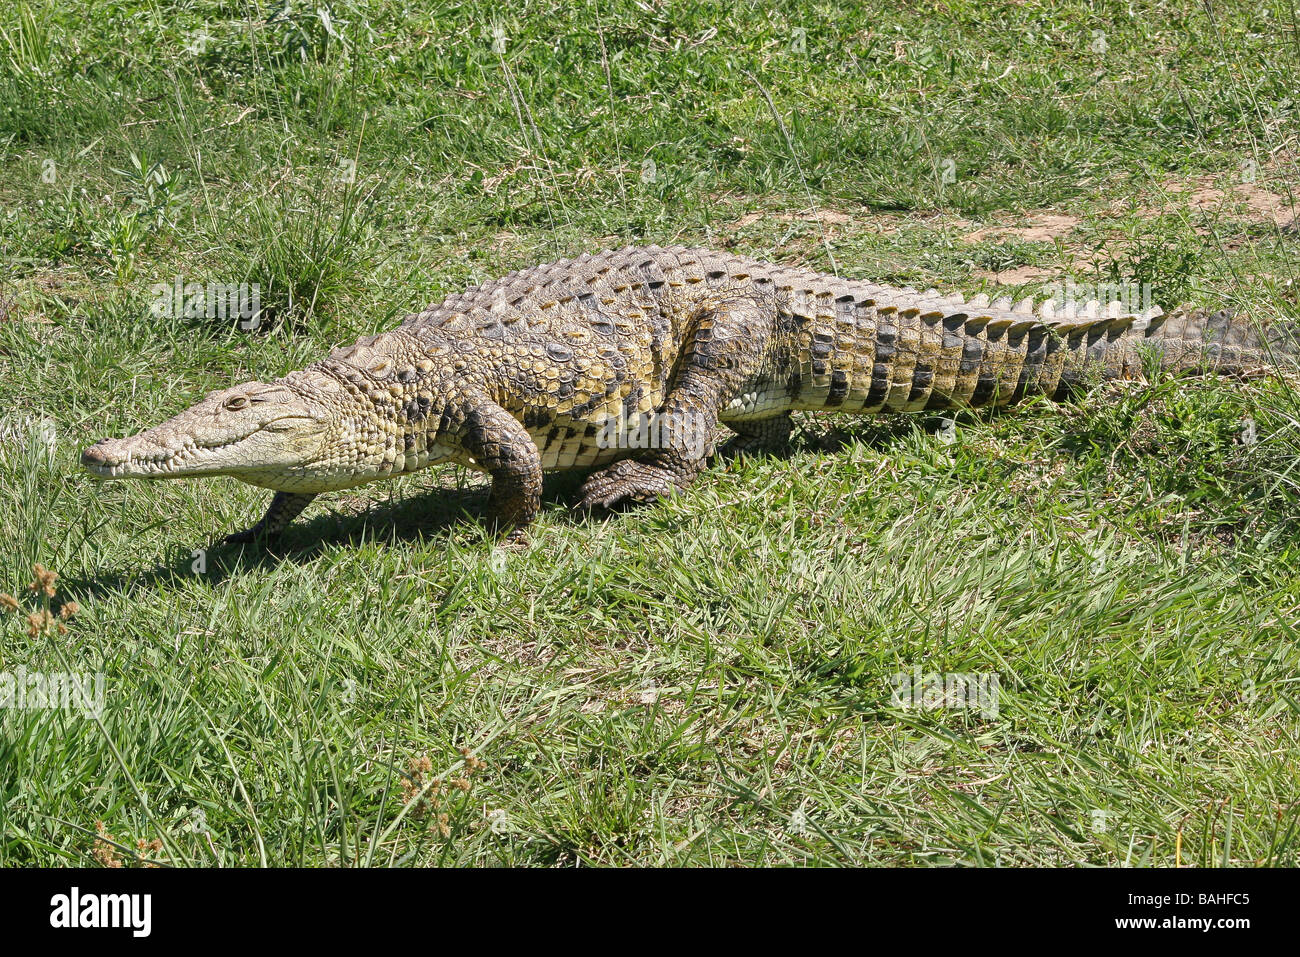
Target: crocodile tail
{"x": 921, "y": 350}
{"x": 1220, "y": 340}
{"x": 1185, "y": 340}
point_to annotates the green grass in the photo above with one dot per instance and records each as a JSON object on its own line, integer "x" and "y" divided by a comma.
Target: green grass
{"x": 708, "y": 680}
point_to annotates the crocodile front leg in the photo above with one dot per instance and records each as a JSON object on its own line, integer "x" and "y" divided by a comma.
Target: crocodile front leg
{"x": 504, "y": 449}
{"x": 285, "y": 507}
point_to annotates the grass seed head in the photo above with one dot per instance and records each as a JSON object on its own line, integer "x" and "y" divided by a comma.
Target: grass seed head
{"x": 103, "y": 851}
{"x": 38, "y": 622}
{"x": 44, "y": 581}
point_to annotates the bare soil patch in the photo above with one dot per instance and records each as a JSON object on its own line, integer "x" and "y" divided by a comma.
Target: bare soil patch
{"x": 1248, "y": 201}
{"x": 1016, "y": 275}
{"x": 1038, "y": 227}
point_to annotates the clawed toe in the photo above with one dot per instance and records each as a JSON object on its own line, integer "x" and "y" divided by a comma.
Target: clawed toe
{"x": 628, "y": 481}
{"x": 516, "y": 540}
{"x": 736, "y": 448}
{"x": 249, "y": 536}
{"x": 608, "y": 497}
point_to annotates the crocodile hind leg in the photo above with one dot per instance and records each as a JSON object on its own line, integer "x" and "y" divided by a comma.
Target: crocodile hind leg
{"x": 661, "y": 471}
{"x": 721, "y": 355}
{"x": 285, "y": 507}
{"x": 757, "y": 435}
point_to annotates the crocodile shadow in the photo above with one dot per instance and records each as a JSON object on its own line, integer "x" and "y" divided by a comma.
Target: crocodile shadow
{"x": 828, "y": 433}
{"x": 423, "y": 515}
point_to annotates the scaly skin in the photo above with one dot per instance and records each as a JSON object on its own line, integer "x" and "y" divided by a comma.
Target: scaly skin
{"x": 527, "y": 373}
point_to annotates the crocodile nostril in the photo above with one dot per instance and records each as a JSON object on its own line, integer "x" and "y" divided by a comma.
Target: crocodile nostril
{"x": 93, "y": 456}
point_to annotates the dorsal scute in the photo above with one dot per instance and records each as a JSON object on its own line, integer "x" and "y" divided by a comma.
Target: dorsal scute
{"x": 525, "y": 298}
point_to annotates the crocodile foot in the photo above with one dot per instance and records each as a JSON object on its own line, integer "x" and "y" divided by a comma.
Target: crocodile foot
{"x": 515, "y": 540}
{"x": 628, "y": 480}
{"x": 763, "y": 435}
{"x": 250, "y": 536}
{"x": 740, "y": 446}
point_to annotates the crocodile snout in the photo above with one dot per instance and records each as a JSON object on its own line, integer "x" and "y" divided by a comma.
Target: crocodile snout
{"x": 95, "y": 455}
{"x": 99, "y": 460}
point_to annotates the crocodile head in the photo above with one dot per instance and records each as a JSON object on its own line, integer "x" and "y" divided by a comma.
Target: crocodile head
{"x": 250, "y": 429}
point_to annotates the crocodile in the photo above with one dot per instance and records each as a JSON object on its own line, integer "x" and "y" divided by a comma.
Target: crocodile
{"x": 626, "y": 361}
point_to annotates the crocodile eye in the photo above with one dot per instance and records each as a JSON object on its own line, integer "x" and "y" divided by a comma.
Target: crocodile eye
{"x": 235, "y": 403}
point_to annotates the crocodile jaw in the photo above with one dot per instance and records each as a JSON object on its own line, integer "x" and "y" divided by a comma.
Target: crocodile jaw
{"x": 252, "y": 427}
{"x": 143, "y": 457}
